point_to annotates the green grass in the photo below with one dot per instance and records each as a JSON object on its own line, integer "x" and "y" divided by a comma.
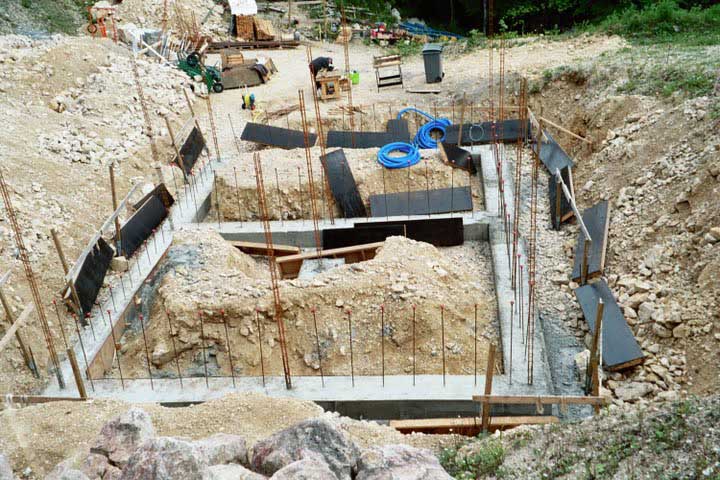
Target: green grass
{"x": 665, "y": 22}
{"x": 486, "y": 459}
{"x": 52, "y": 16}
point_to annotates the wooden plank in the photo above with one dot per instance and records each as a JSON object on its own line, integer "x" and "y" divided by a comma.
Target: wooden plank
{"x": 469, "y": 426}
{"x": 16, "y": 325}
{"x": 257, "y": 248}
{"x": 488, "y": 386}
{"x": 541, "y": 399}
{"x": 562, "y": 129}
{"x": 290, "y": 265}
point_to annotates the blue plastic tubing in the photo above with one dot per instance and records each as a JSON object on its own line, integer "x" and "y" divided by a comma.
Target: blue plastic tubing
{"x": 423, "y": 139}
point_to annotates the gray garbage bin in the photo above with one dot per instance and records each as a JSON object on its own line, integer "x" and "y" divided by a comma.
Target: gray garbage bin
{"x": 432, "y": 55}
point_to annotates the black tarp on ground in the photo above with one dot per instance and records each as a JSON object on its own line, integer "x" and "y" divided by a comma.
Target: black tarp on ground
{"x": 482, "y": 133}
{"x": 141, "y": 225}
{"x": 421, "y": 202}
{"x": 160, "y": 191}
{"x": 458, "y": 157}
{"x": 619, "y": 348}
{"x": 92, "y": 274}
{"x": 565, "y": 208}
{"x": 441, "y": 232}
{"x": 191, "y": 150}
{"x": 552, "y": 155}
{"x": 397, "y": 130}
{"x": 276, "y": 136}
{"x": 342, "y": 184}
{"x": 596, "y": 220}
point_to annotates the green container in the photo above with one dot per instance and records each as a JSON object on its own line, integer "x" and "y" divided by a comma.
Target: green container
{"x": 355, "y": 77}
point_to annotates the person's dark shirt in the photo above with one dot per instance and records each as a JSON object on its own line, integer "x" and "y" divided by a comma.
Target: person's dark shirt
{"x": 320, "y": 63}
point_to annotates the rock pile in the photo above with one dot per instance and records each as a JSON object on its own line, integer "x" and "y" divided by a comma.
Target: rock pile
{"x": 128, "y": 449}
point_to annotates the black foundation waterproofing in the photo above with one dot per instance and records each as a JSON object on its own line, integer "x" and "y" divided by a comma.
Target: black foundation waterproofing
{"x": 159, "y": 191}
{"x": 397, "y": 130}
{"x": 342, "y": 184}
{"x": 276, "y": 136}
{"x": 92, "y": 274}
{"x": 507, "y": 131}
{"x": 191, "y": 150}
{"x": 141, "y": 225}
{"x": 552, "y": 155}
{"x": 441, "y": 232}
{"x": 565, "y": 207}
{"x": 421, "y": 202}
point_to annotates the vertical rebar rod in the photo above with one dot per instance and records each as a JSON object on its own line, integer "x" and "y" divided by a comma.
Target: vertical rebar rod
{"x": 237, "y": 196}
{"x": 172, "y": 338}
{"x": 147, "y": 351}
{"x": 262, "y": 359}
{"x": 82, "y": 347}
{"x": 442, "y": 337}
{"x": 413, "y": 343}
{"x": 202, "y": 347}
{"x": 352, "y": 362}
{"x": 279, "y": 196}
{"x": 317, "y": 345}
{"x": 382, "y": 341}
{"x": 117, "y": 353}
{"x": 227, "y": 341}
{"x": 475, "y": 342}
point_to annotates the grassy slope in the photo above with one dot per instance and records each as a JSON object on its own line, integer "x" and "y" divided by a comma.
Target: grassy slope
{"x": 666, "y": 441}
{"x": 42, "y": 16}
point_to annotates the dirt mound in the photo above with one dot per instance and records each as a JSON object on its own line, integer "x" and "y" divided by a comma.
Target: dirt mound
{"x": 405, "y": 276}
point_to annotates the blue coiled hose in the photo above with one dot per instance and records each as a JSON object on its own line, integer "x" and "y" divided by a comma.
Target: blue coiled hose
{"x": 422, "y": 139}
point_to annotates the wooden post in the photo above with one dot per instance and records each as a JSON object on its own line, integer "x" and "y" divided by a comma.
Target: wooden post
{"x": 76, "y": 373}
{"x": 488, "y": 387}
{"x": 23, "y": 348}
{"x": 558, "y": 203}
{"x": 197, "y": 124}
{"x": 115, "y": 206}
{"x": 289, "y": 13}
{"x": 181, "y": 162}
{"x": 594, "y": 377}
{"x": 66, "y": 269}
{"x": 584, "y": 265}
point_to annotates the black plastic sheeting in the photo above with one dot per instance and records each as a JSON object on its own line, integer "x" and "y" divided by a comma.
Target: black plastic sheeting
{"x": 507, "y": 131}
{"x": 552, "y": 155}
{"x": 619, "y": 348}
{"x": 441, "y": 232}
{"x": 276, "y": 136}
{"x": 160, "y": 191}
{"x": 565, "y": 208}
{"x": 458, "y": 157}
{"x": 191, "y": 150}
{"x": 596, "y": 221}
{"x": 141, "y": 225}
{"x": 397, "y": 130}
{"x": 342, "y": 184}
{"x": 421, "y": 202}
{"x": 92, "y": 274}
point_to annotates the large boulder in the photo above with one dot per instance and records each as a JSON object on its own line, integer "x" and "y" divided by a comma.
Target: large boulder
{"x": 400, "y": 462}
{"x": 64, "y": 472}
{"x": 292, "y": 444}
{"x": 6, "y": 472}
{"x": 234, "y": 472}
{"x": 223, "y": 448}
{"x": 97, "y": 466}
{"x": 120, "y": 437}
{"x": 311, "y": 468}
{"x": 165, "y": 458}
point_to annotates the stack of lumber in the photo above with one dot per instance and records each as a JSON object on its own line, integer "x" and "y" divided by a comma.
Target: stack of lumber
{"x": 245, "y": 27}
{"x": 264, "y": 29}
